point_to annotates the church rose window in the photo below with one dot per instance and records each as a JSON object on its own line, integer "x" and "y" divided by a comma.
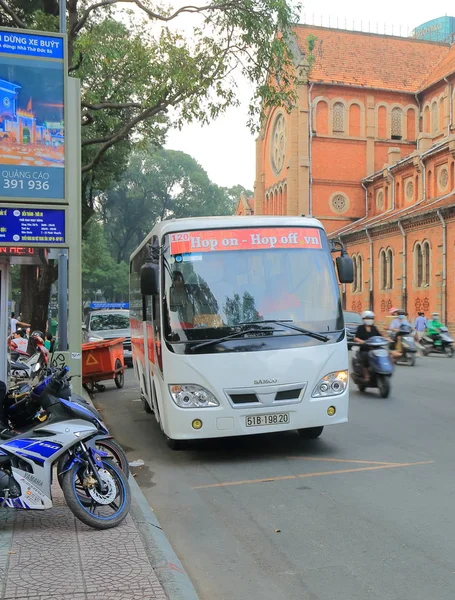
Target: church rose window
{"x": 278, "y": 145}
{"x": 339, "y": 203}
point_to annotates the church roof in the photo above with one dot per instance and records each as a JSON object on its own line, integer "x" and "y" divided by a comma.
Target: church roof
{"x": 445, "y": 67}
{"x": 392, "y": 216}
{"x": 387, "y": 62}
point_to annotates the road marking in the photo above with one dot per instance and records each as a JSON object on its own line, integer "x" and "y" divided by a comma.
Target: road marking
{"x": 344, "y": 460}
{"x": 304, "y": 475}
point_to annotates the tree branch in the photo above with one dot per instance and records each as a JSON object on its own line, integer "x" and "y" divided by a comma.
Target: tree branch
{"x": 152, "y": 14}
{"x": 109, "y": 141}
{"x": 13, "y": 15}
{"x": 103, "y": 105}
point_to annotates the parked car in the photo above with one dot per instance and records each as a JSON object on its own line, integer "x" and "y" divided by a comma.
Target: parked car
{"x": 109, "y": 324}
{"x": 351, "y": 321}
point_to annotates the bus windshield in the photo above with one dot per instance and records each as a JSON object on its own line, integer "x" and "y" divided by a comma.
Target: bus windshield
{"x": 213, "y": 284}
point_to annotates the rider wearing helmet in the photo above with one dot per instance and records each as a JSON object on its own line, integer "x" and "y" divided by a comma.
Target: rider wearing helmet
{"x": 434, "y": 326}
{"x": 365, "y": 332}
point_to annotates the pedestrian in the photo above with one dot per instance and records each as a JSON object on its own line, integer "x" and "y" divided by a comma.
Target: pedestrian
{"x": 420, "y": 325}
{"x": 15, "y": 322}
{"x": 49, "y": 342}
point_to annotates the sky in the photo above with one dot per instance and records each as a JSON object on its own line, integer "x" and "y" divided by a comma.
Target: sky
{"x": 226, "y": 148}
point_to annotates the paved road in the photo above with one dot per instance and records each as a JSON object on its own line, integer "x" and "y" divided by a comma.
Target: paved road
{"x": 363, "y": 513}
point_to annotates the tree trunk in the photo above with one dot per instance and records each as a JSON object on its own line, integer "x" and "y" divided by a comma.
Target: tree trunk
{"x": 48, "y": 274}
{"x": 29, "y": 285}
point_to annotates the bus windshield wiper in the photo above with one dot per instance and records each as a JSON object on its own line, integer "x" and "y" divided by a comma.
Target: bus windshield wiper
{"x": 290, "y": 325}
{"x": 232, "y": 336}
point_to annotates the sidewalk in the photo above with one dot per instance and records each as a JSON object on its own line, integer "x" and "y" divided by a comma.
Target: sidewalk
{"x": 50, "y": 555}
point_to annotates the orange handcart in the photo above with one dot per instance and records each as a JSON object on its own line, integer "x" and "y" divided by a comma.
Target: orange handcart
{"x": 102, "y": 361}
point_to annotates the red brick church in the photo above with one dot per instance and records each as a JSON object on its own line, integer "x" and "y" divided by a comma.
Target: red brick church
{"x": 370, "y": 151}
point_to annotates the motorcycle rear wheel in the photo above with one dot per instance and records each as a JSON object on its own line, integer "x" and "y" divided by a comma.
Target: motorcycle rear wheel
{"x": 114, "y": 501}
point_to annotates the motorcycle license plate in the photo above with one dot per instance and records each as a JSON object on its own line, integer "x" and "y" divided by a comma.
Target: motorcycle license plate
{"x": 271, "y": 419}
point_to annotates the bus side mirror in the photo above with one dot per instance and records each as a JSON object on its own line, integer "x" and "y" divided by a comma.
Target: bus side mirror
{"x": 149, "y": 279}
{"x": 345, "y": 268}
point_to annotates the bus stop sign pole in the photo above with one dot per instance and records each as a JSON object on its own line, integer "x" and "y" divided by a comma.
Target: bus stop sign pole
{"x": 62, "y": 257}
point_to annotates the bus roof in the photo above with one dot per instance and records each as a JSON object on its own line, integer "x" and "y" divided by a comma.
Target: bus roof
{"x": 229, "y": 222}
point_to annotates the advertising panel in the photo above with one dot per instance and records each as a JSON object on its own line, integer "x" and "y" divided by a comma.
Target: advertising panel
{"x": 32, "y": 133}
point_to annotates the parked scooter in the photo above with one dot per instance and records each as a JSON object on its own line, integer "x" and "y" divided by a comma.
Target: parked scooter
{"x": 408, "y": 346}
{"x": 95, "y": 489}
{"x": 380, "y": 367}
{"x": 443, "y": 344}
{"x": 25, "y": 411}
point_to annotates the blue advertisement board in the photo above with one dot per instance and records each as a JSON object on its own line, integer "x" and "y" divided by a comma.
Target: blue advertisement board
{"x": 32, "y": 226}
{"x": 32, "y": 134}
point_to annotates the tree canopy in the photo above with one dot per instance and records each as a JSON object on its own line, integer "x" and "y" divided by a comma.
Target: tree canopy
{"x": 159, "y": 184}
{"x": 138, "y": 67}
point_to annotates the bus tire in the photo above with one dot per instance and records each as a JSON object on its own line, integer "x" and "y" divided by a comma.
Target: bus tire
{"x": 174, "y": 444}
{"x": 311, "y": 433}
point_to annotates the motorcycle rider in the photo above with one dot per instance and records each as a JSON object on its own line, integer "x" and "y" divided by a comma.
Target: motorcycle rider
{"x": 434, "y": 326}
{"x": 362, "y": 335}
{"x": 395, "y": 328}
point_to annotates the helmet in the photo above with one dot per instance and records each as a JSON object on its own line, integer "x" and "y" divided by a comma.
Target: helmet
{"x": 435, "y": 314}
{"x": 367, "y": 314}
{"x": 37, "y": 335}
{"x": 393, "y": 310}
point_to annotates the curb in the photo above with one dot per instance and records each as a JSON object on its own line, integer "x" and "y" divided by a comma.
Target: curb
{"x": 162, "y": 556}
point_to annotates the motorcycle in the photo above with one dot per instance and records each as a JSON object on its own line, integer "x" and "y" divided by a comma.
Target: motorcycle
{"x": 408, "y": 346}
{"x": 380, "y": 367}
{"x": 25, "y": 411}
{"x": 24, "y": 370}
{"x": 95, "y": 489}
{"x": 443, "y": 344}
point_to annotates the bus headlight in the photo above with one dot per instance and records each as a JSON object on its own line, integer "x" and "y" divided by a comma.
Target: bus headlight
{"x": 192, "y": 396}
{"x": 333, "y": 384}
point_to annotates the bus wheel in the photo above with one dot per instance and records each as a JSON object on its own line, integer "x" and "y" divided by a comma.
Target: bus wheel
{"x": 311, "y": 433}
{"x": 174, "y": 444}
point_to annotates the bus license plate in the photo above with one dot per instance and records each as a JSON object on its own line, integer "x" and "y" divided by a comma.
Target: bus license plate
{"x": 274, "y": 419}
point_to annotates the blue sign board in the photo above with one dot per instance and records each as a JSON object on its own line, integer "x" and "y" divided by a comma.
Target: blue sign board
{"x": 32, "y": 226}
{"x": 32, "y": 135}
{"x": 29, "y": 44}
{"x": 98, "y": 305}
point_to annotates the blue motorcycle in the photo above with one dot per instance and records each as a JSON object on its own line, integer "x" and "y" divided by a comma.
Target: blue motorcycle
{"x": 380, "y": 367}
{"x": 95, "y": 488}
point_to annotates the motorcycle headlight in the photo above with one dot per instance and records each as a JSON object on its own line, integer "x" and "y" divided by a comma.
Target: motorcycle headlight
{"x": 192, "y": 396}
{"x": 333, "y": 384}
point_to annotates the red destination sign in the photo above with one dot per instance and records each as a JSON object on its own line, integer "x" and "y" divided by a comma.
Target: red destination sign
{"x": 245, "y": 239}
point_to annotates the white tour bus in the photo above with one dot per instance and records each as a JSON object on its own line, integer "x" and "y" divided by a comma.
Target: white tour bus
{"x": 237, "y": 326}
